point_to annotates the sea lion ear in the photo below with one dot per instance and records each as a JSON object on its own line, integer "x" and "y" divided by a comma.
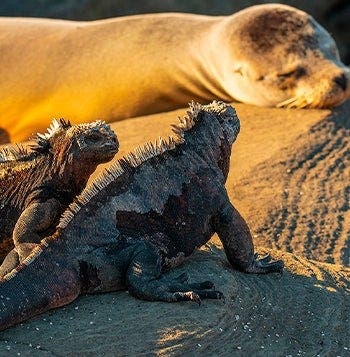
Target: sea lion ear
{"x": 65, "y": 124}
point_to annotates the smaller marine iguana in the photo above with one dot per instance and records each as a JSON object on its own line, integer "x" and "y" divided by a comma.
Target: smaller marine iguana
{"x": 143, "y": 216}
{"x": 37, "y": 185}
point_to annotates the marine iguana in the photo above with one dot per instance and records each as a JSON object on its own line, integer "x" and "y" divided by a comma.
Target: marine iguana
{"x": 38, "y": 184}
{"x": 143, "y": 216}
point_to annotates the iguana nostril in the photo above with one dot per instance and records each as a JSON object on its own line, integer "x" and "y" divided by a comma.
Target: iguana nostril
{"x": 341, "y": 81}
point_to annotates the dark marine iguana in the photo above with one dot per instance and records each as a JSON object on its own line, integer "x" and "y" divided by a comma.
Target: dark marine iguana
{"x": 38, "y": 184}
{"x": 143, "y": 216}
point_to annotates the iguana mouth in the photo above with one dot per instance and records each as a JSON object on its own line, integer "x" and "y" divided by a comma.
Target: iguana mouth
{"x": 111, "y": 147}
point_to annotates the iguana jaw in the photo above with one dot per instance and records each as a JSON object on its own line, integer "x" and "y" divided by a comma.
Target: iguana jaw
{"x": 105, "y": 152}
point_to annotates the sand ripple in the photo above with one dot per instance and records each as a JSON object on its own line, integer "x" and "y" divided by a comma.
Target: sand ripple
{"x": 310, "y": 183}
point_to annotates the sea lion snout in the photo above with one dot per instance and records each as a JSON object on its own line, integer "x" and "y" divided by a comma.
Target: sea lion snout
{"x": 327, "y": 88}
{"x": 339, "y": 87}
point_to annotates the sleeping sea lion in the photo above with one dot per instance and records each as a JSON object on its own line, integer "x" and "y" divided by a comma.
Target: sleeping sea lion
{"x": 267, "y": 55}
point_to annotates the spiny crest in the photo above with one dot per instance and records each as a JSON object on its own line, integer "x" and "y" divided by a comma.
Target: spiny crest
{"x": 42, "y": 140}
{"x": 186, "y": 122}
{"x": 192, "y": 116}
{"x": 55, "y": 126}
{"x": 149, "y": 150}
{"x": 41, "y": 144}
{"x": 107, "y": 176}
{"x": 13, "y": 153}
{"x": 217, "y": 107}
{"x": 81, "y": 128}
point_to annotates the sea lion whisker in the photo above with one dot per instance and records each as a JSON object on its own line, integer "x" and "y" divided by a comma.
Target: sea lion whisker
{"x": 293, "y": 104}
{"x": 301, "y": 103}
{"x": 287, "y": 103}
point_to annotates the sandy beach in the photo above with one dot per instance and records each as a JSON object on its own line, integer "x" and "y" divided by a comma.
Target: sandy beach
{"x": 289, "y": 178}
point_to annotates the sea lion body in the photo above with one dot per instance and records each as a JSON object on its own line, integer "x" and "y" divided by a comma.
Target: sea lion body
{"x": 136, "y": 65}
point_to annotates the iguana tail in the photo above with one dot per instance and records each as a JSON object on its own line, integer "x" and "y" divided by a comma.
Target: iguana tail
{"x": 42, "y": 282}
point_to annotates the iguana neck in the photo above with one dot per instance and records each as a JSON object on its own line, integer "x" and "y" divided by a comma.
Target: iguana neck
{"x": 208, "y": 140}
{"x": 64, "y": 176}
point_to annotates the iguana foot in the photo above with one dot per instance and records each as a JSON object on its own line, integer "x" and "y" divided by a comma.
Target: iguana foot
{"x": 144, "y": 282}
{"x": 198, "y": 295}
{"x": 264, "y": 265}
{"x": 194, "y": 291}
{"x": 10, "y": 262}
{"x": 266, "y": 258}
{"x": 173, "y": 292}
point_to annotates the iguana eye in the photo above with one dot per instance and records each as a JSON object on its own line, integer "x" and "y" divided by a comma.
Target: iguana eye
{"x": 94, "y": 137}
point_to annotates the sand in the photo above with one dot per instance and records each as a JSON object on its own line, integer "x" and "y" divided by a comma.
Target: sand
{"x": 290, "y": 179}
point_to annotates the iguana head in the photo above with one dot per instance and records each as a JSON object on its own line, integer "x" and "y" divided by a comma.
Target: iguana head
{"x": 220, "y": 112}
{"x": 76, "y": 150}
{"x": 227, "y": 118}
{"x": 228, "y": 121}
{"x": 95, "y": 141}
{"x": 210, "y": 130}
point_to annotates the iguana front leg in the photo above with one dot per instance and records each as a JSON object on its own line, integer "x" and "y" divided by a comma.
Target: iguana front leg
{"x": 36, "y": 218}
{"x": 236, "y": 238}
{"x": 144, "y": 281}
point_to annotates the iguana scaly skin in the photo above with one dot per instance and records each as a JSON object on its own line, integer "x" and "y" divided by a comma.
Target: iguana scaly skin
{"x": 145, "y": 215}
{"x": 37, "y": 185}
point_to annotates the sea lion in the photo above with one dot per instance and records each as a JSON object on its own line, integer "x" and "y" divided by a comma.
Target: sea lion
{"x": 267, "y": 55}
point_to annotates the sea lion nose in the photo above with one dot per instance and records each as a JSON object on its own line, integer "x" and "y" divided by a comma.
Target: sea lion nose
{"x": 341, "y": 81}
